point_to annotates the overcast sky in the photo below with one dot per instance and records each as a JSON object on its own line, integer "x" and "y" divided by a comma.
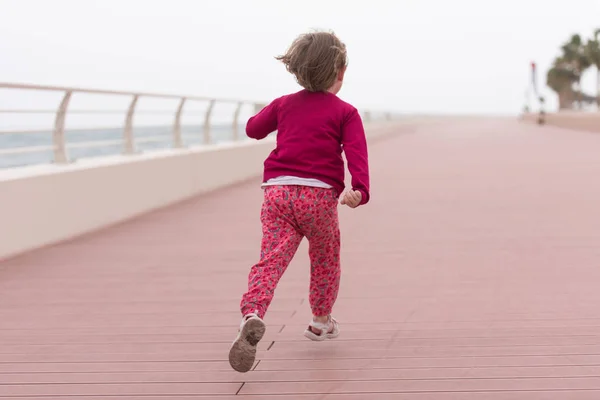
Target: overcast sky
{"x": 458, "y": 56}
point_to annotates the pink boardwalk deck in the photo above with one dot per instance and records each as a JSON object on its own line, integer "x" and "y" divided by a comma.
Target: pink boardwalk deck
{"x": 473, "y": 275}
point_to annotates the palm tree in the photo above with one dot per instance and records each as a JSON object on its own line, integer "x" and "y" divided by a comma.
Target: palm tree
{"x": 592, "y": 52}
{"x": 564, "y": 77}
{"x": 574, "y": 53}
{"x": 560, "y": 78}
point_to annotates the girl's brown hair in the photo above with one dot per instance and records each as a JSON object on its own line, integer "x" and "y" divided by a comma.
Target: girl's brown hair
{"x": 315, "y": 59}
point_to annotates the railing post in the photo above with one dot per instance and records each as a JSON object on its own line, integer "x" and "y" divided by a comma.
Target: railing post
{"x": 236, "y": 120}
{"x": 177, "y": 139}
{"x": 258, "y": 107}
{"x": 58, "y": 136}
{"x": 128, "y": 143}
{"x": 207, "y": 135}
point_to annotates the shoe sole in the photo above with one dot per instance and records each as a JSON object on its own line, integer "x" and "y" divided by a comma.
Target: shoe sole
{"x": 243, "y": 351}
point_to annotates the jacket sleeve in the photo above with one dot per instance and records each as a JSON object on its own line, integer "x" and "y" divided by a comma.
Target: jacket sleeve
{"x": 354, "y": 144}
{"x": 265, "y": 122}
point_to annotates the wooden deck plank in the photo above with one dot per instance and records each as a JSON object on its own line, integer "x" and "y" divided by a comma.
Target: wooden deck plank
{"x": 471, "y": 276}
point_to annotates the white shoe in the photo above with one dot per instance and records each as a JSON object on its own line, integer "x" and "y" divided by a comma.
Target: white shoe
{"x": 243, "y": 350}
{"x": 329, "y": 330}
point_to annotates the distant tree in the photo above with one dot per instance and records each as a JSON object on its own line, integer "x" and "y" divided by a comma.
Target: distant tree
{"x": 564, "y": 77}
{"x": 592, "y": 52}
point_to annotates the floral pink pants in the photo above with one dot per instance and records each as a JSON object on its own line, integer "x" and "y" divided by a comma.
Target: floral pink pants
{"x": 290, "y": 213}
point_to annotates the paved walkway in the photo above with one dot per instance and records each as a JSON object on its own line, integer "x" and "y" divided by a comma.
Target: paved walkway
{"x": 473, "y": 274}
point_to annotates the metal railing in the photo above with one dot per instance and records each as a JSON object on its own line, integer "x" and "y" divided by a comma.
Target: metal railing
{"x": 59, "y": 144}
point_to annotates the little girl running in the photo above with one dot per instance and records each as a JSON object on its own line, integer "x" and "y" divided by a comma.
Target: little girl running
{"x": 303, "y": 179}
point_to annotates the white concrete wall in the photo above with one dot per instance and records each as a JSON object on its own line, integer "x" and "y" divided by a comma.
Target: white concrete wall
{"x": 42, "y": 205}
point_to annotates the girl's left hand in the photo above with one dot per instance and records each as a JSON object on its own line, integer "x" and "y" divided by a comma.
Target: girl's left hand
{"x": 352, "y": 198}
